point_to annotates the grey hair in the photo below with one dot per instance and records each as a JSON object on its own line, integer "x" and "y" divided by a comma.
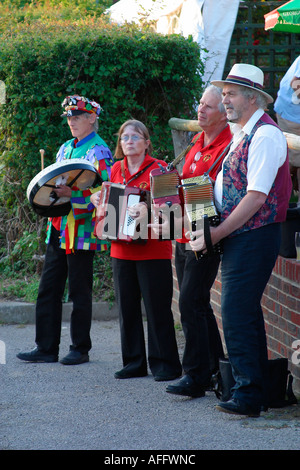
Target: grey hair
{"x": 96, "y": 123}
{"x": 261, "y": 100}
{"x": 218, "y": 92}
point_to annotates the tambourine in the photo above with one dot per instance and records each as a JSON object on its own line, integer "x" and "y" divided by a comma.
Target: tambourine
{"x": 75, "y": 172}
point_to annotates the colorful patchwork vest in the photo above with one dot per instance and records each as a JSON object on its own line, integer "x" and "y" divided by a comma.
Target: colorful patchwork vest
{"x": 77, "y": 228}
{"x": 235, "y": 185}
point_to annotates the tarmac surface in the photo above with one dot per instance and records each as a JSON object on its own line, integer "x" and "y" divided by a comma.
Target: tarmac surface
{"x": 83, "y": 407}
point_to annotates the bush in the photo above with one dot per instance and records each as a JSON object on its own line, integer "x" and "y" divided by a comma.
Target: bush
{"x": 132, "y": 73}
{"x": 31, "y": 10}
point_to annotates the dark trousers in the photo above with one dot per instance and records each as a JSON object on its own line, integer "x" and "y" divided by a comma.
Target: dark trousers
{"x": 58, "y": 267}
{"x": 203, "y": 346}
{"x": 247, "y": 264}
{"x": 152, "y": 281}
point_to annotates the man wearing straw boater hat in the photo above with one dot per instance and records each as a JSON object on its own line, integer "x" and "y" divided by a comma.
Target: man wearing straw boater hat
{"x": 71, "y": 244}
{"x": 252, "y": 192}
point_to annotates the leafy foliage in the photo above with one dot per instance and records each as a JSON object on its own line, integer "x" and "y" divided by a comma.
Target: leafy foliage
{"x": 30, "y": 10}
{"x": 131, "y": 72}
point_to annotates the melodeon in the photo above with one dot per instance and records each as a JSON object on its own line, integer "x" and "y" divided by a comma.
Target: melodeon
{"x": 75, "y": 172}
{"x": 113, "y": 221}
{"x": 200, "y": 208}
{"x": 166, "y": 197}
{"x": 164, "y": 187}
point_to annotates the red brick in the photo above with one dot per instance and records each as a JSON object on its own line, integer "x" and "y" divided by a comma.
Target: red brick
{"x": 281, "y": 308}
{"x": 295, "y": 318}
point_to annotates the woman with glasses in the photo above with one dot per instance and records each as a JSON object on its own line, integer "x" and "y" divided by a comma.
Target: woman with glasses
{"x": 142, "y": 270}
{"x": 203, "y": 346}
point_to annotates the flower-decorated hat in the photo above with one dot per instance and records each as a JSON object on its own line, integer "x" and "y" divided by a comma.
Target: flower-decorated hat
{"x": 246, "y": 75}
{"x": 75, "y": 105}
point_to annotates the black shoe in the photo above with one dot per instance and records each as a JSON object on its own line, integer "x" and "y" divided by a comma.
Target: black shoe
{"x": 36, "y": 355}
{"x": 165, "y": 377}
{"x": 236, "y": 407}
{"x": 187, "y": 387}
{"x": 75, "y": 357}
{"x": 129, "y": 374}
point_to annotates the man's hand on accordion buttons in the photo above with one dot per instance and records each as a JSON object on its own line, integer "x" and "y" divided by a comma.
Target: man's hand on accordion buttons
{"x": 197, "y": 240}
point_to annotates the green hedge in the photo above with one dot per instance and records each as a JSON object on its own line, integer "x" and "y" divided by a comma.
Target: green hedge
{"x": 131, "y": 73}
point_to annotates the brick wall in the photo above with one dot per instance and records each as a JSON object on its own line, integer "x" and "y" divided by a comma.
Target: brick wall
{"x": 281, "y": 307}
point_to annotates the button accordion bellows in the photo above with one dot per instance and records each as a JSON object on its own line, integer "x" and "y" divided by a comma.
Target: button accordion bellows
{"x": 200, "y": 209}
{"x": 112, "y": 219}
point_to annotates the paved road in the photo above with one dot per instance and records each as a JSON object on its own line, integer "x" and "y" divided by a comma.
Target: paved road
{"x": 57, "y": 407}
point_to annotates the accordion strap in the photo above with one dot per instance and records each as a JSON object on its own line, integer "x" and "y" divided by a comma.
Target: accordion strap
{"x": 188, "y": 148}
{"x": 218, "y": 159}
{"x": 183, "y": 153}
{"x": 136, "y": 175}
{"x": 207, "y": 236}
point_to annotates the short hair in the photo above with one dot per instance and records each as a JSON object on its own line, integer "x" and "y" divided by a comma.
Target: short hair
{"x": 218, "y": 92}
{"x": 261, "y": 100}
{"x": 140, "y": 128}
{"x": 96, "y": 123}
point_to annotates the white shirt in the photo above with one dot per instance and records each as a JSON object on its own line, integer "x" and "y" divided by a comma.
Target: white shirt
{"x": 267, "y": 153}
{"x": 287, "y": 102}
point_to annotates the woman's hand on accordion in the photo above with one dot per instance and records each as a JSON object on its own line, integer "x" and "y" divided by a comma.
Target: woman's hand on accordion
{"x": 95, "y": 198}
{"x": 161, "y": 225}
{"x": 138, "y": 211}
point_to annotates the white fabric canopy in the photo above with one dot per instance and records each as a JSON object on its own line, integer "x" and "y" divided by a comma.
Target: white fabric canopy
{"x": 210, "y": 22}
{"x": 134, "y": 10}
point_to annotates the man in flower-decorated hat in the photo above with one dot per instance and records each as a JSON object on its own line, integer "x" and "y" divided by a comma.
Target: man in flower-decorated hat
{"x": 252, "y": 192}
{"x": 77, "y": 105}
{"x": 71, "y": 244}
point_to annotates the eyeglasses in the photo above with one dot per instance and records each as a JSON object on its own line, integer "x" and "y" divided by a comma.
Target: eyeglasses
{"x": 134, "y": 138}
{"x": 196, "y": 159}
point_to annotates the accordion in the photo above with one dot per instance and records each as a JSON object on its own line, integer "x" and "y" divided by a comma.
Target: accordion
{"x": 164, "y": 187}
{"x": 113, "y": 221}
{"x": 200, "y": 208}
{"x": 166, "y": 197}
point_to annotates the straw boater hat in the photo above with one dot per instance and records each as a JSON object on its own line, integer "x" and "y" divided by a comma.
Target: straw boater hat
{"x": 75, "y": 105}
{"x": 246, "y": 75}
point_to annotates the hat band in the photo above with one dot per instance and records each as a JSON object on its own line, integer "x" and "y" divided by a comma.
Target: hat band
{"x": 79, "y": 110}
{"x": 244, "y": 81}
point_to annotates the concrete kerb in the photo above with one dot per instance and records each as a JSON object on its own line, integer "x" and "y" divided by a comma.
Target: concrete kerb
{"x": 24, "y": 313}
